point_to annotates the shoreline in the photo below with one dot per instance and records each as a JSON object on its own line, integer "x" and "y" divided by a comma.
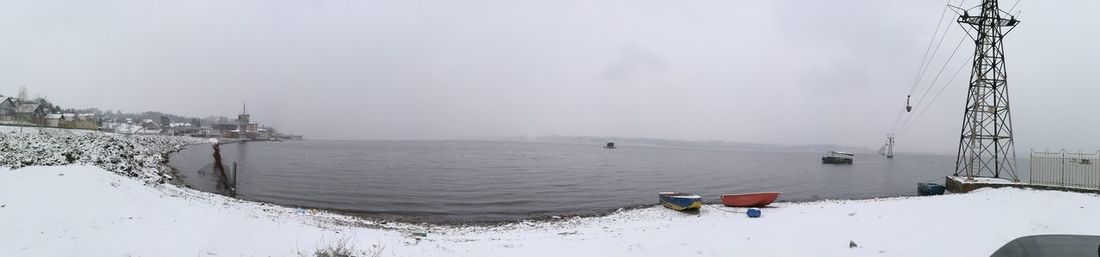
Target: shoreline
{"x": 407, "y": 218}
{"x": 175, "y": 173}
{"x": 175, "y": 221}
{"x": 427, "y": 216}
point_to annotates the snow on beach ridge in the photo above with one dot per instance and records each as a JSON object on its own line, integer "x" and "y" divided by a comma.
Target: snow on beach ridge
{"x": 139, "y": 156}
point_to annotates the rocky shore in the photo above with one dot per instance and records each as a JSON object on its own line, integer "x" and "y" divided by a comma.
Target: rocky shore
{"x": 138, "y": 156}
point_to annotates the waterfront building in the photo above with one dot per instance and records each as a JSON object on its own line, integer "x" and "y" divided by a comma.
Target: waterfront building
{"x": 30, "y": 113}
{"x": 7, "y": 109}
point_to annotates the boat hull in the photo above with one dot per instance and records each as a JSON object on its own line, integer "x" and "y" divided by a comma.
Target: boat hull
{"x": 835, "y": 160}
{"x": 930, "y": 189}
{"x": 760, "y": 199}
{"x": 680, "y": 201}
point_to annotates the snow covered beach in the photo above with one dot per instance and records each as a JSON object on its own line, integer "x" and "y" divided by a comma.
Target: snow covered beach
{"x": 83, "y": 210}
{"x": 138, "y": 156}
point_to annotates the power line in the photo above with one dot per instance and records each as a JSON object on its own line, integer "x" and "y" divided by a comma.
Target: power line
{"x": 1013, "y": 6}
{"x": 942, "y": 68}
{"x": 906, "y": 124}
{"x": 924, "y": 60}
{"x": 938, "y": 74}
{"x": 893, "y": 128}
{"x": 925, "y": 64}
{"x": 934, "y": 98}
{"x": 934, "y": 52}
{"x": 928, "y": 59}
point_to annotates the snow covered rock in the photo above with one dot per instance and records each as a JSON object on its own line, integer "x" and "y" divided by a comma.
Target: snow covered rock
{"x": 139, "y": 156}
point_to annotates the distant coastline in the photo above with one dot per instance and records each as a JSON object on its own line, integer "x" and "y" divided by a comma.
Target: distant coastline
{"x": 696, "y": 144}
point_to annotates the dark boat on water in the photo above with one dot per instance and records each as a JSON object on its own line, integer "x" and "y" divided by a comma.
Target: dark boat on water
{"x": 680, "y": 201}
{"x": 837, "y": 157}
{"x": 759, "y": 199}
{"x": 926, "y": 188}
{"x": 610, "y": 145}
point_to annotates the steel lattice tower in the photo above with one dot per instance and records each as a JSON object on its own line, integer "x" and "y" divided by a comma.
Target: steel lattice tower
{"x": 985, "y": 147}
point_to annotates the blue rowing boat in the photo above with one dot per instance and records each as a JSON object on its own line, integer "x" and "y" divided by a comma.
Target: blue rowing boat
{"x": 680, "y": 201}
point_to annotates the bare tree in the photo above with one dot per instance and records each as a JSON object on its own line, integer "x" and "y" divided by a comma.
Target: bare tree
{"x": 23, "y": 93}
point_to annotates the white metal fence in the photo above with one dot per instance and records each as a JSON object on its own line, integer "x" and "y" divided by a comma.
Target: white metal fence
{"x": 1065, "y": 169}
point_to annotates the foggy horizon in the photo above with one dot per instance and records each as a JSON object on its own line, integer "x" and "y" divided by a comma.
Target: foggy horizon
{"x": 735, "y": 71}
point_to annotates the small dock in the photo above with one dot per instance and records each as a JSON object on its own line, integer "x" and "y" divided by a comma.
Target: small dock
{"x": 960, "y": 184}
{"x": 1062, "y": 170}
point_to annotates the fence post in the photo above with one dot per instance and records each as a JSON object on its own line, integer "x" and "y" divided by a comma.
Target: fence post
{"x": 1063, "y": 167}
{"x": 1031, "y": 167}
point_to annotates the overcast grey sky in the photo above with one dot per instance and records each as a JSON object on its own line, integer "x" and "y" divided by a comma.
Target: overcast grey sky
{"x": 784, "y": 71}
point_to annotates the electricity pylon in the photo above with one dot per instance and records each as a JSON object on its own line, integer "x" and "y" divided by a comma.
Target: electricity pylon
{"x": 985, "y": 147}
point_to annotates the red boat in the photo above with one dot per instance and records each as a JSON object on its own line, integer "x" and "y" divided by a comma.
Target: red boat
{"x": 749, "y": 200}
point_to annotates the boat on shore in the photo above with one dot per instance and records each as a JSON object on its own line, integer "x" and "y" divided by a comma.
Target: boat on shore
{"x": 837, "y": 157}
{"x": 680, "y": 201}
{"x": 758, "y": 199}
{"x": 926, "y": 188}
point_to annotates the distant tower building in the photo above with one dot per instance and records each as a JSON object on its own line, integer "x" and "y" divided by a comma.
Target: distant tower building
{"x": 242, "y": 122}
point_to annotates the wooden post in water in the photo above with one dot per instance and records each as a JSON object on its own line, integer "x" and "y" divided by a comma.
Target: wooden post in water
{"x": 234, "y": 178}
{"x": 218, "y": 168}
{"x": 218, "y": 159}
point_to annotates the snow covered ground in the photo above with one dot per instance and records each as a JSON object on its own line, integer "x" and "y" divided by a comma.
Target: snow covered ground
{"x": 87, "y": 211}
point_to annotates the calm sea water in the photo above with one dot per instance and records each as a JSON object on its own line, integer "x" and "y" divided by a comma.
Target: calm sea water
{"x": 473, "y": 181}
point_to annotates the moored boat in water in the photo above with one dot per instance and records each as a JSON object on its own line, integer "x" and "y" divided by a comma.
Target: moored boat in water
{"x": 758, "y": 199}
{"x": 680, "y": 201}
{"x": 838, "y": 157}
{"x": 926, "y": 188}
